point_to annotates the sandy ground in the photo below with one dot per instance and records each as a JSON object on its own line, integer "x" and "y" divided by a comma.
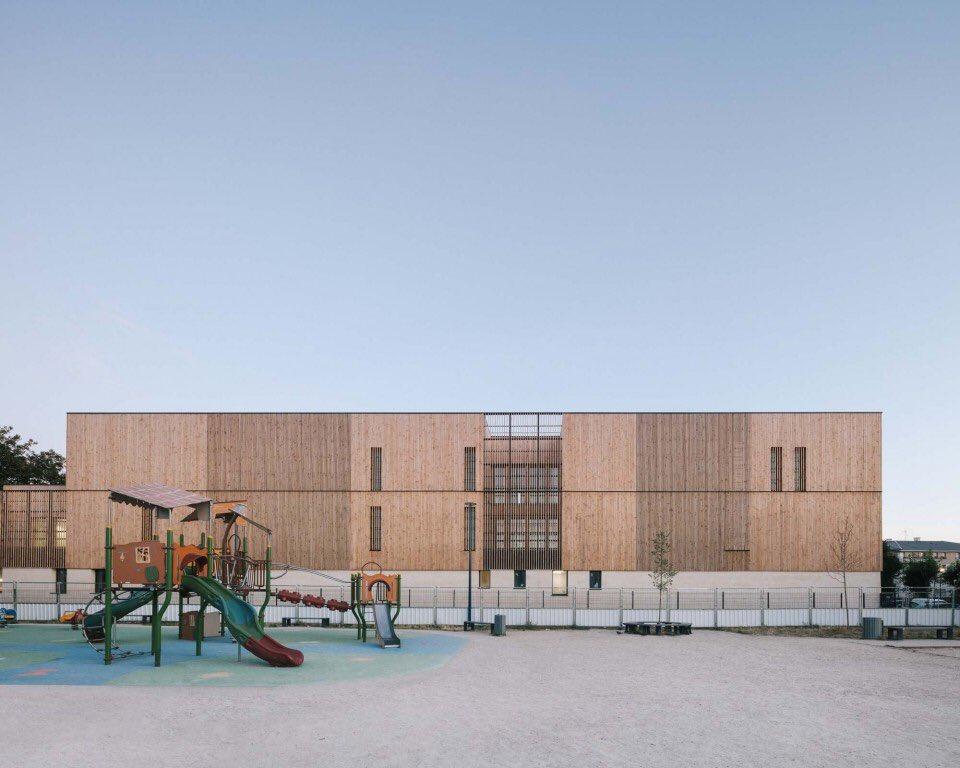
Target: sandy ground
{"x": 549, "y": 698}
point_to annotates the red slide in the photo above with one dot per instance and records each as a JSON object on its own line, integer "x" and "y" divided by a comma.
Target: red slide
{"x": 272, "y": 652}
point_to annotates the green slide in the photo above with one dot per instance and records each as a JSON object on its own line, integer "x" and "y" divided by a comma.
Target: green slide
{"x": 242, "y": 619}
{"x": 93, "y": 624}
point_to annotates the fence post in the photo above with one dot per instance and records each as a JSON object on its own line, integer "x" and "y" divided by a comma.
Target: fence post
{"x": 668, "y": 607}
{"x": 480, "y": 603}
{"x": 716, "y": 616}
{"x": 810, "y": 606}
{"x": 16, "y": 612}
{"x": 526, "y": 606}
{"x": 953, "y": 607}
{"x": 435, "y": 606}
{"x": 574, "y": 599}
{"x": 56, "y": 591}
{"x": 620, "y": 612}
{"x": 906, "y": 612}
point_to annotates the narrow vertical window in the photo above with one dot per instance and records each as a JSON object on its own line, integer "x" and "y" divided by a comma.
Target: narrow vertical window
{"x": 470, "y": 469}
{"x": 518, "y": 533}
{"x": 376, "y": 469}
{"x": 553, "y": 533}
{"x": 596, "y": 579}
{"x": 61, "y": 575}
{"x": 501, "y": 540}
{"x": 559, "y": 583}
{"x": 800, "y": 469}
{"x": 484, "y": 580}
{"x": 469, "y": 527}
{"x": 776, "y": 469}
{"x": 375, "y": 528}
{"x": 519, "y": 579}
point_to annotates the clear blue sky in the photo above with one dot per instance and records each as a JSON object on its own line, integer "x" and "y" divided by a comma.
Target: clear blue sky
{"x": 488, "y": 206}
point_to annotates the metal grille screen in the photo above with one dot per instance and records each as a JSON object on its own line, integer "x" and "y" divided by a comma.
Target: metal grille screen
{"x": 376, "y": 469}
{"x": 522, "y": 491}
{"x": 33, "y": 529}
{"x": 375, "y": 528}
{"x": 470, "y": 469}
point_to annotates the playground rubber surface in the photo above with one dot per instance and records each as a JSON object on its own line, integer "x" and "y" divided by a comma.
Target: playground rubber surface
{"x": 36, "y": 654}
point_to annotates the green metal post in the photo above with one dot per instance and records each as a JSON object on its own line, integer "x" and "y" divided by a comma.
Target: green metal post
{"x": 153, "y": 625}
{"x": 355, "y": 603}
{"x": 167, "y": 594}
{"x": 201, "y": 609}
{"x": 179, "y": 597}
{"x": 198, "y": 629}
{"x": 266, "y": 588}
{"x": 396, "y": 613}
{"x": 107, "y": 603}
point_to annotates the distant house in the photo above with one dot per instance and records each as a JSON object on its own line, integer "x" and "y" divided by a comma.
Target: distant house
{"x": 944, "y": 552}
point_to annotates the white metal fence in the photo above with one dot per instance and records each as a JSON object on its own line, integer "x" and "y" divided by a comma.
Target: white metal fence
{"x": 447, "y": 606}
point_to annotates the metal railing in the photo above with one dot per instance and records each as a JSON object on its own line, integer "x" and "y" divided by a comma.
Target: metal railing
{"x": 447, "y": 606}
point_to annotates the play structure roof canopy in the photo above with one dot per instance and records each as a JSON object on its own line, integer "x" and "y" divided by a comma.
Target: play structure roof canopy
{"x": 162, "y": 498}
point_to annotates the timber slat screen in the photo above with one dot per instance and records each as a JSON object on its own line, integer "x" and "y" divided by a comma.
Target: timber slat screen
{"x": 33, "y": 529}
{"x": 522, "y": 483}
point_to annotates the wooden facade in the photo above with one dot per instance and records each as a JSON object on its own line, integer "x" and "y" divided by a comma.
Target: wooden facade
{"x": 704, "y": 477}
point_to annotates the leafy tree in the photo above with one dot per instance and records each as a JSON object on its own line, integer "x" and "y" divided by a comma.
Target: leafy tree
{"x": 918, "y": 573}
{"x": 662, "y": 571}
{"x": 892, "y": 565}
{"x": 951, "y": 576}
{"x": 21, "y": 464}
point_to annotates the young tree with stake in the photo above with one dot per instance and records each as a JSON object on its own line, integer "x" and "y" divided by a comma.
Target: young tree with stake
{"x": 661, "y": 569}
{"x": 844, "y": 558}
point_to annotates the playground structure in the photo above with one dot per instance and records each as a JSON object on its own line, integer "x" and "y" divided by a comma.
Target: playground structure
{"x": 380, "y": 593}
{"x": 148, "y": 571}
{"x": 377, "y": 592}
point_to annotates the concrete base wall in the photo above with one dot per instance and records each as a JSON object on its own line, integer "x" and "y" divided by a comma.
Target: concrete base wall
{"x": 502, "y": 579}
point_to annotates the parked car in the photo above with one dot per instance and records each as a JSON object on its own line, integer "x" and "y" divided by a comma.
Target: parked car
{"x": 890, "y": 600}
{"x": 928, "y": 602}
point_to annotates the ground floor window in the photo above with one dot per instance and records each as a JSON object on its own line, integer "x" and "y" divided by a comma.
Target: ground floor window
{"x": 61, "y": 580}
{"x": 519, "y": 579}
{"x": 559, "y": 582}
{"x": 99, "y": 579}
{"x": 596, "y": 579}
{"x": 484, "y": 580}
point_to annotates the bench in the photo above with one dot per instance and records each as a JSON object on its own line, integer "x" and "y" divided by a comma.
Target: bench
{"x": 943, "y": 633}
{"x": 657, "y": 628}
{"x": 894, "y": 633}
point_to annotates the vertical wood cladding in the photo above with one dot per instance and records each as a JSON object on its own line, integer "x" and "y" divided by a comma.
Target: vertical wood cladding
{"x": 691, "y": 451}
{"x": 843, "y": 449}
{"x": 421, "y": 451}
{"x": 704, "y": 477}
